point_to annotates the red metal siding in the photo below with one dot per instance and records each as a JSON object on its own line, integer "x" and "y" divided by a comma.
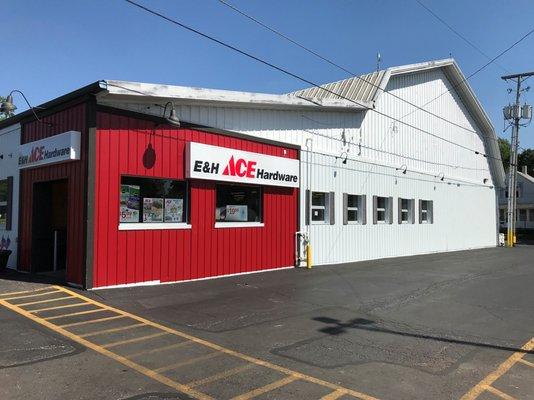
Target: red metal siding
{"x": 173, "y": 255}
{"x": 73, "y": 118}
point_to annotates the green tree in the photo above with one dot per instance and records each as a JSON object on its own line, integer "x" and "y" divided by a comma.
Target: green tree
{"x": 505, "y": 148}
{"x": 526, "y": 158}
{"x": 2, "y": 114}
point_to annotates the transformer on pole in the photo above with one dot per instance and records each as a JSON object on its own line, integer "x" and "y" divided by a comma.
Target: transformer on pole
{"x": 514, "y": 113}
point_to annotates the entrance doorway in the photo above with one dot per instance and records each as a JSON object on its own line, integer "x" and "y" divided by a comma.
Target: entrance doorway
{"x": 49, "y": 227}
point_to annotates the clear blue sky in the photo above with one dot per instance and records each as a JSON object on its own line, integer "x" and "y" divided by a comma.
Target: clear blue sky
{"x": 52, "y": 47}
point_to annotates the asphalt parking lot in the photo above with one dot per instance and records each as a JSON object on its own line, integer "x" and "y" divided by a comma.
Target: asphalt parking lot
{"x": 443, "y": 326}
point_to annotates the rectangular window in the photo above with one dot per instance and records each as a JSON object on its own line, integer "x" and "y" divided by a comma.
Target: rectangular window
{"x": 502, "y": 216}
{"x": 426, "y": 212}
{"x": 531, "y": 214}
{"x": 382, "y": 210}
{"x": 522, "y": 214}
{"x": 353, "y": 209}
{"x": 406, "y": 211}
{"x": 319, "y": 207}
{"x": 238, "y": 203}
{"x": 150, "y": 200}
{"x": 6, "y": 193}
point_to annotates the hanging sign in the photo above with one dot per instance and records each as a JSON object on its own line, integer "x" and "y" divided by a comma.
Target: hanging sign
{"x": 54, "y": 149}
{"x": 224, "y": 164}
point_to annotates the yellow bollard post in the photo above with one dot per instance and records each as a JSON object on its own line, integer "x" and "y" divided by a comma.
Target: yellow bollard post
{"x": 308, "y": 256}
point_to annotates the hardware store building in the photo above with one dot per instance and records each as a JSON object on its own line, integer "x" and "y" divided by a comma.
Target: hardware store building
{"x": 107, "y": 187}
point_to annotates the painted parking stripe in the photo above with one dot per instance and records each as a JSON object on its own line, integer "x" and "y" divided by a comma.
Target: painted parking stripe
{"x": 30, "y": 295}
{"x": 74, "y": 314}
{"x": 134, "y": 340}
{"x": 43, "y": 301}
{"x": 99, "y": 349}
{"x": 486, "y": 383}
{"x": 188, "y": 362}
{"x": 26, "y": 292}
{"x": 91, "y": 321}
{"x": 57, "y": 307}
{"x": 159, "y": 349}
{"x": 523, "y": 361}
{"x": 266, "y": 388}
{"x": 112, "y": 330}
{"x": 221, "y": 375}
{"x": 334, "y": 395}
{"x": 500, "y": 394}
{"x": 164, "y": 330}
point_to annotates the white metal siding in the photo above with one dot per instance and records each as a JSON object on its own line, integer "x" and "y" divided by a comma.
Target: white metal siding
{"x": 464, "y": 216}
{"x": 9, "y": 145}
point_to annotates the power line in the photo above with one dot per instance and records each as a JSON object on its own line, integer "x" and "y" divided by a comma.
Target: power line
{"x": 294, "y": 75}
{"x": 435, "y": 15}
{"x": 478, "y": 70}
{"x": 329, "y": 61}
{"x": 350, "y": 143}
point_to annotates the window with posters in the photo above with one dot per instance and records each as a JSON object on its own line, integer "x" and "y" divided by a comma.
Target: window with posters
{"x": 238, "y": 203}
{"x": 149, "y": 200}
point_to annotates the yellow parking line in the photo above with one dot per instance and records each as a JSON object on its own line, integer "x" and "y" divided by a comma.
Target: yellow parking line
{"x": 266, "y": 388}
{"x": 526, "y": 362}
{"x": 188, "y": 362}
{"x": 334, "y": 395}
{"x": 25, "y": 291}
{"x": 158, "y": 349}
{"x": 501, "y": 370}
{"x": 31, "y": 295}
{"x": 219, "y": 376}
{"x": 42, "y": 301}
{"x": 58, "y": 307}
{"x": 74, "y": 314}
{"x": 222, "y": 349}
{"x": 134, "y": 340}
{"x": 99, "y": 349}
{"x": 122, "y": 328}
{"x": 91, "y": 321}
{"x": 500, "y": 394}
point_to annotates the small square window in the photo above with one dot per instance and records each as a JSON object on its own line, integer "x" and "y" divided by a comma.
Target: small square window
{"x": 319, "y": 208}
{"x": 522, "y": 214}
{"x": 354, "y": 209}
{"x": 406, "y": 211}
{"x": 426, "y": 211}
{"x": 382, "y": 210}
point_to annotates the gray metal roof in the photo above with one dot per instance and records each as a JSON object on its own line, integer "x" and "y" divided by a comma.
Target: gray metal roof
{"x": 361, "y": 89}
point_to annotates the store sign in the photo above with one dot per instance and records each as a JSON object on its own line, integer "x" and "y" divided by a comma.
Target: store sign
{"x": 54, "y": 149}
{"x": 223, "y": 164}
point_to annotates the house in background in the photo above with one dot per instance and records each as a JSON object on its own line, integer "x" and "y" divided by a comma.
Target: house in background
{"x": 525, "y": 201}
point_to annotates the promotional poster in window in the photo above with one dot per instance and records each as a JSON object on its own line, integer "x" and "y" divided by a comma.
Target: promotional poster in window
{"x": 130, "y": 203}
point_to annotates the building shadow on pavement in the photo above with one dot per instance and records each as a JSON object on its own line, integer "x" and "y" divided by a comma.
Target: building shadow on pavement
{"x": 335, "y": 327}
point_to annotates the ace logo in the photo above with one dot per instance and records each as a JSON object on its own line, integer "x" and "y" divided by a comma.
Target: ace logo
{"x": 37, "y": 154}
{"x": 241, "y": 168}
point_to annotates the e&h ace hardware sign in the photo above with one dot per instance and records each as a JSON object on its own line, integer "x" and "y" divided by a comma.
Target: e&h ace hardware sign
{"x": 54, "y": 149}
{"x": 223, "y": 164}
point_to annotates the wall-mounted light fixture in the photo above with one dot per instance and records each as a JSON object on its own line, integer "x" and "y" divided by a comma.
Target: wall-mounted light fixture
{"x": 8, "y": 107}
{"x": 173, "y": 117}
{"x": 403, "y": 168}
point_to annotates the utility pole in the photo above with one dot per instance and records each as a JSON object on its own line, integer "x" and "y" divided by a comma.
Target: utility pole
{"x": 516, "y": 113}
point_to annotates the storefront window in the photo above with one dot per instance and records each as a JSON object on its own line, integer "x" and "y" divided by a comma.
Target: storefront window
{"x": 147, "y": 200}
{"x": 238, "y": 203}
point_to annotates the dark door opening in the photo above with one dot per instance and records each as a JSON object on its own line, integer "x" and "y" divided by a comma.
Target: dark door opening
{"x": 49, "y": 227}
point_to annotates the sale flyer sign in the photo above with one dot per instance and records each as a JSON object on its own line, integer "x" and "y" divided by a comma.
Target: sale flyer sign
{"x": 152, "y": 209}
{"x": 174, "y": 209}
{"x": 236, "y": 213}
{"x": 130, "y": 203}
